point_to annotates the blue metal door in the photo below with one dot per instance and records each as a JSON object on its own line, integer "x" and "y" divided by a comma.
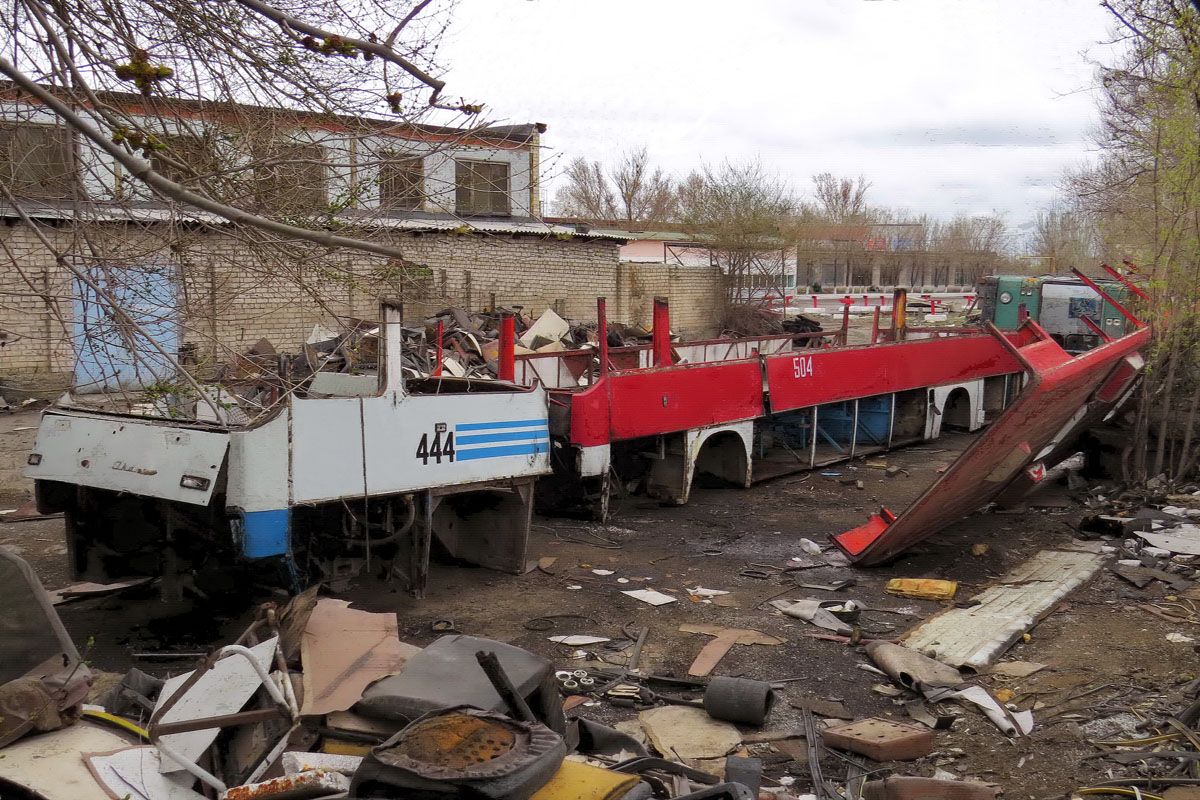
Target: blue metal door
{"x": 110, "y": 353}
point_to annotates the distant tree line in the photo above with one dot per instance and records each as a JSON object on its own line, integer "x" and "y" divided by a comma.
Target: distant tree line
{"x": 759, "y": 228}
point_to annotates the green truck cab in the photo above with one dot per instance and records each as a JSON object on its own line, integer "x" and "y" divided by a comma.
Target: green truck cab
{"x": 1057, "y": 303}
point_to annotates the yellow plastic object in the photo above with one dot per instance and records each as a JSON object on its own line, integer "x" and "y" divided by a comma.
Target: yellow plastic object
{"x": 576, "y": 781}
{"x": 922, "y": 588}
{"x": 341, "y": 747}
{"x": 104, "y": 718}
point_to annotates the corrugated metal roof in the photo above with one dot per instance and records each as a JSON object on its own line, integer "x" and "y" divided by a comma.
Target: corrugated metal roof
{"x": 415, "y": 222}
{"x": 495, "y": 225}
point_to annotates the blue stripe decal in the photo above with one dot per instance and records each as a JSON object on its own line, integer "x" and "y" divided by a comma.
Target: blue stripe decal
{"x": 511, "y": 436}
{"x": 515, "y": 423}
{"x": 504, "y": 450}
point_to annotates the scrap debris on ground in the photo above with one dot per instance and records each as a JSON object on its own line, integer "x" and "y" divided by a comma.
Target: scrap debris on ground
{"x": 944, "y": 676}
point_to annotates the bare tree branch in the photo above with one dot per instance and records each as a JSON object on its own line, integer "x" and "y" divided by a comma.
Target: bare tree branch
{"x": 381, "y": 49}
{"x": 174, "y": 191}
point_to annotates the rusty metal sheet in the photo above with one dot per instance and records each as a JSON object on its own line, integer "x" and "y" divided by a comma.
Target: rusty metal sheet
{"x": 1062, "y": 393}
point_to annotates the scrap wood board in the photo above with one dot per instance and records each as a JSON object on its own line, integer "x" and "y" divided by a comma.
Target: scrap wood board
{"x": 976, "y": 636}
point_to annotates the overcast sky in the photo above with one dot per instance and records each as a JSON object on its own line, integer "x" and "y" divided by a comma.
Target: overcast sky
{"x": 947, "y": 106}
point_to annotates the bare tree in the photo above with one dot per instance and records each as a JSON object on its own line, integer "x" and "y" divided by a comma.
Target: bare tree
{"x": 968, "y": 247}
{"x": 210, "y": 128}
{"x": 631, "y": 191}
{"x": 1065, "y": 238}
{"x": 645, "y": 196}
{"x": 841, "y": 199}
{"x": 741, "y": 212}
{"x": 587, "y": 193}
{"x": 1145, "y": 193}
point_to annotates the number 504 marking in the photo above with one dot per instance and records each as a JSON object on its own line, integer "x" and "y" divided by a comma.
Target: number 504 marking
{"x": 802, "y": 366}
{"x": 438, "y": 450}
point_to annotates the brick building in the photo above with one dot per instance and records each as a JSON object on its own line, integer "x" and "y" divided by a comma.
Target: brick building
{"x": 464, "y": 210}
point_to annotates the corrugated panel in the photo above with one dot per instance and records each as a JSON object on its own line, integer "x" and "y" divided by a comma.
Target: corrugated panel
{"x": 974, "y": 637}
{"x": 151, "y": 213}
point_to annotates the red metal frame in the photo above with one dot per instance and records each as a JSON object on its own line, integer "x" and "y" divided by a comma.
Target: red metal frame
{"x": 1123, "y": 311}
{"x": 1043, "y": 416}
{"x": 627, "y": 402}
{"x": 1125, "y": 281}
{"x": 661, "y": 333}
{"x": 805, "y": 378}
{"x": 508, "y": 346}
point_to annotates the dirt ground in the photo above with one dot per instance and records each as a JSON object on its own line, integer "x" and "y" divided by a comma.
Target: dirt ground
{"x": 1110, "y": 663}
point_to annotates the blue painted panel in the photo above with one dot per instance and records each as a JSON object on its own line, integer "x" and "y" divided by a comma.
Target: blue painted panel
{"x": 507, "y": 450}
{"x": 265, "y": 533}
{"x": 518, "y": 436}
{"x": 105, "y": 345}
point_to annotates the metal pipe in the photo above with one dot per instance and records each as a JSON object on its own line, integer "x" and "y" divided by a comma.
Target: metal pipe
{"x": 153, "y": 729}
{"x": 503, "y": 686}
{"x": 899, "y": 314}
{"x": 661, "y": 333}
{"x": 437, "y": 368}
{"x": 508, "y": 348}
{"x": 602, "y": 332}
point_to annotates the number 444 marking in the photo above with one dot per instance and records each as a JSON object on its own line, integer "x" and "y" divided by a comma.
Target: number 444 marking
{"x": 441, "y": 448}
{"x": 802, "y": 366}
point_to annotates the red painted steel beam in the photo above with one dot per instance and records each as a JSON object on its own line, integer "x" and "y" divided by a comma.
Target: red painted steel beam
{"x": 1123, "y": 311}
{"x": 1043, "y": 416}
{"x": 1125, "y": 281}
{"x": 661, "y": 333}
{"x": 508, "y": 348}
{"x": 649, "y": 402}
{"x": 1096, "y": 329}
{"x": 805, "y": 378}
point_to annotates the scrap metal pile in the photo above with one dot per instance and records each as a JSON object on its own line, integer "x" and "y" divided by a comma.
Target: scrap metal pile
{"x": 453, "y": 342}
{"x": 335, "y": 364}
{"x": 317, "y": 699}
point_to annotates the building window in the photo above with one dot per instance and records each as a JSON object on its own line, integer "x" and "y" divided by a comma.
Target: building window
{"x": 184, "y": 158}
{"x": 36, "y": 161}
{"x": 292, "y": 177}
{"x": 481, "y": 187}
{"x": 402, "y": 184}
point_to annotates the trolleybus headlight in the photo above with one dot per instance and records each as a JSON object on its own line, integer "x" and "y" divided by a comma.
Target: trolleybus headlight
{"x": 194, "y": 482}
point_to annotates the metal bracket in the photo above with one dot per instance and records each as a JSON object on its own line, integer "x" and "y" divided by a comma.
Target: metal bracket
{"x": 286, "y": 708}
